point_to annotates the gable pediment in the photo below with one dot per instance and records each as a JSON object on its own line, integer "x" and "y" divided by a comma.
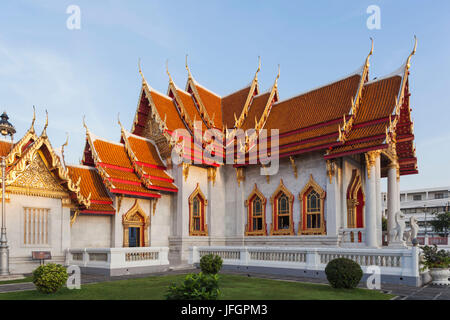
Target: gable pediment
{"x": 37, "y": 180}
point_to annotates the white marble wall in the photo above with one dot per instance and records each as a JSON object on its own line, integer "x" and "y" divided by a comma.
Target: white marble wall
{"x": 58, "y": 233}
{"x": 91, "y": 231}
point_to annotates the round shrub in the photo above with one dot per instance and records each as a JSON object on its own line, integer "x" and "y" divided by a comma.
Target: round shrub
{"x": 343, "y": 273}
{"x": 49, "y": 278}
{"x": 195, "y": 287}
{"x": 210, "y": 264}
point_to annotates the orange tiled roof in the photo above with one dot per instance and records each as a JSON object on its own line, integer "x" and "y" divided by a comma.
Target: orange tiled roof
{"x": 149, "y": 160}
{"x": 92, "y": 183}
{"x": 117, "y": 166}
{"x": 212, "y": 103}
{"x": 256, "y": 110}
{"x": 372, "y": 117}
{"x": 165, "y": 106}
{"x": 326, "y": 103}
{"x": 233, "y": 104}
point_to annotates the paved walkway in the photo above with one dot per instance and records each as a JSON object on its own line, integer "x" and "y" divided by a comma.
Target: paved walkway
{"x": 402, "y": 292}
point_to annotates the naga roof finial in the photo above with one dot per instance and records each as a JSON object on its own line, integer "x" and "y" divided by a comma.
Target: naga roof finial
{"x": 84, "y": 124}
{"x": 278, "y": 77}
{"x": 413, "y": 52}
{"x": 140, "y": 70}
{"x": 167, "y": 71}
{"x": 187, "y": 68}
{"x": 44, "y": 131}
{"x": 62, "y": 148}
{"x": 34, "y": 118}
{"x": 259, "y": 67}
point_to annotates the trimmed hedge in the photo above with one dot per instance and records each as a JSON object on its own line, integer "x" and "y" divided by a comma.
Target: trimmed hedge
{"x": 210, "y": 264}
{"x": 343, "y": 273}
{"x": 49, "y": 278}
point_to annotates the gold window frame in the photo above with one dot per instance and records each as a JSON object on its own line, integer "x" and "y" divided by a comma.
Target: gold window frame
{"x": 302, "y": 227}
{"x": 249, "y": 205}
{"x": 203, "y": 225}
{"x": 274, "y": 231}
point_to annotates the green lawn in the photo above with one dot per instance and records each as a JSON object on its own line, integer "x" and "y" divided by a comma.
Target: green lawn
{"x": 26, "y": 279}
{"x": 233, "y": 287}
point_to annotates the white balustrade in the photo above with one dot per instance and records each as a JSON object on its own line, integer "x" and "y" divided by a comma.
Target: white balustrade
{"x": 112, "y": 258}
{"x": 398, "y": 262}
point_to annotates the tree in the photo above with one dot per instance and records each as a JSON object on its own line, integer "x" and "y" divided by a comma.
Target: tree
{"x": 441, "y": 223}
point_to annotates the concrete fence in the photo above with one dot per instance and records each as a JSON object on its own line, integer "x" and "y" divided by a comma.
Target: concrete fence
{"x": 119, "y": 261}
{"x": 395, "y": 265}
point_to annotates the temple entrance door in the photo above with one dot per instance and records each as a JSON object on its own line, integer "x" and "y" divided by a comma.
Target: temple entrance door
{"x": 134, "y": 237}
{"x": 355, "y": 202}
{"x": 359, "y": 209}
{"x": 136, "y": 227}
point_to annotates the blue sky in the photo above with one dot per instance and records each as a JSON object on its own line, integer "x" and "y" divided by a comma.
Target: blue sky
{"x": 93, "y": 71}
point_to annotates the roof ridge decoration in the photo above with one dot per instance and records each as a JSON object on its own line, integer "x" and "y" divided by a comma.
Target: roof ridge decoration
{"x": 105, "y": 176}
{"x": 62, "y": 172}
{"x": 254, "y": 85}
{"x": 391, "y": 138}
{"x": 134, "y": 160}
{"x": 347, "y": 125}
{"x": 203, "y": 111}
{"x": 273, "y": 97}
{"x": 178, "y": 103}
{"x": 18, "y": 148}
{"x": 62, "y": 149}
{"x": 146, "y": 89}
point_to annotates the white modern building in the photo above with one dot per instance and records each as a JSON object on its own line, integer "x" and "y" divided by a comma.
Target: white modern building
{"x": 423, "y": 204}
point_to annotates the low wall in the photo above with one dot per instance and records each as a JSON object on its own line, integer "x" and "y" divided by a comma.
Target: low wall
{"x": 399, "y": 266}
{"x": 119, "y": 261}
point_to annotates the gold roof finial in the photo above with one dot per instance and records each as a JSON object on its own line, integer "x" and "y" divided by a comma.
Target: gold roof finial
{"x": 120, "y": 123}
{"x": 370, "y": 53}
{"x": 44, "y": 131}
{"x": 140, "y": 70}
{"x": 62, "y": 148}
{"x": 167, "y": 71}
{"x": 259, "y": 67}
{"x": 408, "y": 61}
{"x": 278, "y": 77}
{"x": 34, "y": 118}
{"x": 187, "y": 68}
{"x": 84, "y": 124}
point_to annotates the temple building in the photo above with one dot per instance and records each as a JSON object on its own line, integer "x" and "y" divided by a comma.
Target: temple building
{"x": 196, "y": 169}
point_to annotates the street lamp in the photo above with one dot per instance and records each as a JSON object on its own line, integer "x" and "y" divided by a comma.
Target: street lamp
{"x": 6, "y": 129}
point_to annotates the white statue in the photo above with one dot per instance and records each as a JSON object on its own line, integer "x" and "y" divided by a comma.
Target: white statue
{"x": 396, "y": 233}
{"x": 412, "y": 234}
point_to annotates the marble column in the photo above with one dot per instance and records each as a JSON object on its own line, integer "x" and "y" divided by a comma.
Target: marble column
{"x": 371, "y": 199}
{"x": 378, "y": 201}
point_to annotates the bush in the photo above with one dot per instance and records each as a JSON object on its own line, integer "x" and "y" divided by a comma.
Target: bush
{"x": 211, "y": 264}
{"x": 195, "y": 287}
{"x": 434, "y": 258}
{"x": 343, "y": 273}
{"x": 49, "y": 278}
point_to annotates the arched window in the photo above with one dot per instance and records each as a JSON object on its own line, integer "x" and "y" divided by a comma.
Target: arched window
{"x": 312, "y": 201}
{"x": 256, "y": 214}
{"x": 282, "y": 220}
{"x": 197, "y": 213}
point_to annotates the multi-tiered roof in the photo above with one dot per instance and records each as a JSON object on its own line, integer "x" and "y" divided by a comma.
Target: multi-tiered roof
{"x": 346, "y": 117}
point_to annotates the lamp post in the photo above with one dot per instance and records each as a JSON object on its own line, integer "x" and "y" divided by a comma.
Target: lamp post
{"x": 6, "y": 129}
{"x": 426, "y": 236}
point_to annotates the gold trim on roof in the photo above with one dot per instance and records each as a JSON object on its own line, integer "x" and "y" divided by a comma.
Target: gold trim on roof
{"x": 347, "y": 125}
{"x": 54, "y": 166}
